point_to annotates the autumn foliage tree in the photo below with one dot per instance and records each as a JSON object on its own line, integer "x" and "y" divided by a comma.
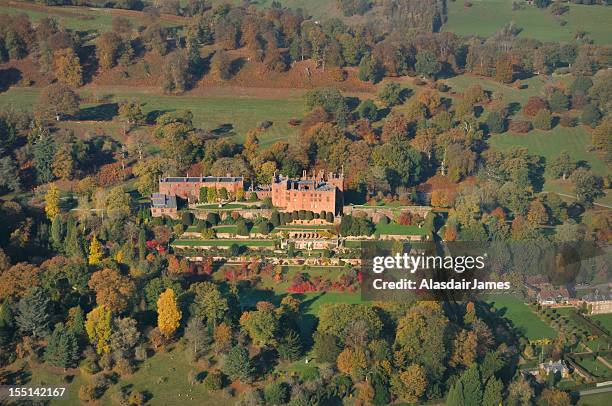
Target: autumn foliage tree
{"x": 534, "y": 105}
{"x": 55, "y": 101}
{"x": 168, "y": 313}
{"x": 52, "y": 202}
{"x": 98, "y": 327}
{"x": 67, "y": 67}
{"x": 113, "y": 290}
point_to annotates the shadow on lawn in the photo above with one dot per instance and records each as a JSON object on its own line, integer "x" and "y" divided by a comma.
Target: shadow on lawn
{"x": 101, "y": 112}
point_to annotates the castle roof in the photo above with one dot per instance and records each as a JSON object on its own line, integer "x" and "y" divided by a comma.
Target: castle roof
{"x": 162, "y": 201}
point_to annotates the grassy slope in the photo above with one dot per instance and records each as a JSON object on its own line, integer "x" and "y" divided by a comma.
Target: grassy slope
{"x": 521, "y": 316}
{"x": 209, "y": 112}
{"x": 485, "y": 17}
{"x": 605, "y": 319}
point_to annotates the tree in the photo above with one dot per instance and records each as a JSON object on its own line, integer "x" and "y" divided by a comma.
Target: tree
{"x": 118, "y": 200}
{"x": 534, "y": 105}
{"x": 132, "y": 112}
{"x": 520, "y": 393}
{"x": 351, "y": 360}
{"x": 290, "y": 348}
{"x": 168, "y": 313}
{"x": 558, "y": 101}
{"x": 62, "y": 348}
{"x": 467, "y": 390}
{"x": 554, "y": 397}
{"x": 537, "y": 213}
{"x": 196, "y": 335}
{"x": 590, "y": 115}
{"x": 504, "y": 69}
{"x": 176, "y": 77}
{"x": 587, "y": 186}
{"x": 326, "y": 347}
{"x": 543, "y": 120}
{"x": 67, "y": 67}
{"x": 390, "y": 94}
{"x": 495, "y": 122}
{"x": 9, "y": 174}
{"x": 222, "y": 337}
{"x": 410, "y": 385}
{"x": 98, "y": 327}
{"x": 55, "y": 101}
{"x": 562, "y": 166}
{"x": 33, "y": 313}
{"x": 602, "y": 137}
{"x": 113, "y": 290}
{"x": 370, "y": 69}
{"x": 221, "y": 64}
{"x": 427, "y": 64}
{"x": 238, "y": 365}
{"x": 95, "y": 251}
{"x": 64, "y": 164}
{"x": 493, "y": 392}
{"x": 108, "y": 45}
{"x": 124, "y": 338}
{"x": 276, "y": 393}
{"x": 262, "y": 326}
{"x": 52, "y": 202}
{"x": 241, "y": 227}
{"x": 209, "y": 303}
{"x": 367, "y": 110}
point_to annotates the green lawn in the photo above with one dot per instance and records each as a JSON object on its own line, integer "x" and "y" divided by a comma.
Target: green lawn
{"x": 605, "y": 319}
{"x": 521, "y": 316}
{"x": 549, "y": 144}
{"x": 225, "y": 243}
{"x": 486, "y": 17}
{"x": 230, "y": 116}
{"x": 304, "y": 227}
{"x": 397, "y": 229}
{"x": 226, "y": 229}
{"x": 598, "y": 399}
{"x": 595, "y": 367}
{"x": 509, "y": 94}
{"x": 228, "y": 206}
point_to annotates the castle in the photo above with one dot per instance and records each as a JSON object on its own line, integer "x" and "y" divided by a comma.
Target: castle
{"x": 318, "y": 192}
{"x": 188, "y": 188}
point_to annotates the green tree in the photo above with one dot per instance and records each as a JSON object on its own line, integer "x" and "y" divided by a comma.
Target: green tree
{"x": 590, "y": 115}
{"x": 44, "y": 154}
{"x": 493, "y": 393}
{"x": 262, "y": 326}
{"x": 495, "y": 122}
{"x": 290, "y": 348}
{"x": 558, "y": 101}
{"x": 427, "y": 64}
{"x": 33, "y": 313}
{"x": 326, "y": 347}
{"x": 276, "y": 393}
{"x": 238, "y": 365}
{"x": 390, "y": 94}
{"x": 370, "y": 69}
{"x": 62, "y": 348}
{"x": 543, "y": 120}
{"x": 9, "y": 174}
{"x": 242, "y": 227}
{"x": 142, "y": 244}
{"x": 209, "y": 303}
{"x": 124, "y": 338}
{"x": 587, "y": 186}
{"x": 562, "y": 166}
{"x": 367, "y": 110}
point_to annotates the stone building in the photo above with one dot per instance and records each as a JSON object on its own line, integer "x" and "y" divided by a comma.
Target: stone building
{"x": 188, "y": 187}
{"x": 317, "y": 193}
{"x": 164, "y": 205}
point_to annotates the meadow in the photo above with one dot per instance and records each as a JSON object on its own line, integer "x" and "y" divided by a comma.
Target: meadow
{"x": 605, "y": 320}
{"x": 521, "y": 316}
{"x": 485, "y": 17}
{"x": 228, "y": 116}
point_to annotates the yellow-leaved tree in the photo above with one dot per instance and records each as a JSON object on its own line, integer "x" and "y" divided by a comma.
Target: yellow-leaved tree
{"x": 95, "y": 251}
{"x": 98, "y": 327}
{"x": 52, "y": 202}
{"x": 168, "y": 313}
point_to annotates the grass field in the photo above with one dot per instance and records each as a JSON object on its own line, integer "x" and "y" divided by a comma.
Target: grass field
{"x": 521, "y": 316}
{"x": 397, "y": 229}
{"x": 599, "y": 399}
{"x": 548, "y": 144}
{"x": 605, "y": 319}
{"x": 230, "y": 116}
{"x": 486, "y": 17}
{"x": 509, "y": 94}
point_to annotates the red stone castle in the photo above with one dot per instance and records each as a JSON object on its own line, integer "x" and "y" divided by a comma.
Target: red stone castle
{"x": 317, "y": 193}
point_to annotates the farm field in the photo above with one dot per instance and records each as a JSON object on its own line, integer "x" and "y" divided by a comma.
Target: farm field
{"x": 521, "y": 316}
{"x": 485, "y": 17}
{"x": 229, "y": 116}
